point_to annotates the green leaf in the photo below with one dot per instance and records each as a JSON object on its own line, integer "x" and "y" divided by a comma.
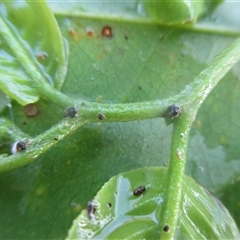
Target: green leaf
{"x": 164, "y": 12}
{"x": 140, "y": 62}
{"x": 176, "y": 12}
{"x": 116, "y": 212}
{"x": 31, "y": 47}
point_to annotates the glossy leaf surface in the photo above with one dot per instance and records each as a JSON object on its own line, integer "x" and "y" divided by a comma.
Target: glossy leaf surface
{"x": 118, "y": 213}
{"x": 139, "y": 62}
{"x": 30, "y": 42}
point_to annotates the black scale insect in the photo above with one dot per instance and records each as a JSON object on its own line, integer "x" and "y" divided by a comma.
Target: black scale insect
{"x": 139, "y": 191}
{"x": 166, "y": 228}
{"x": 101, "y": 116}
{"x": 172, "y": 112}
{"x": 91, "y": 209}
{"x": 18, "y": 146}
{"x": 70, "y": 112}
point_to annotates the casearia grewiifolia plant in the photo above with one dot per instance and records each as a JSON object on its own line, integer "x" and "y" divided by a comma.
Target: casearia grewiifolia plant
{"x": 180, "y": 109}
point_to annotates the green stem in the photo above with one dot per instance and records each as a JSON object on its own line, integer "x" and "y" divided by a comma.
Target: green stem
{"x": 203, "y": 84}
{"x": 123, "y": 112}
{"x": 204, "y": 26}
{"x": 175, "y": 173}
{"x": 189, "y": 99}
{"x": 9, "y": 133}
{"x": 197, "y": 93}
{"x": 40, "y": 144}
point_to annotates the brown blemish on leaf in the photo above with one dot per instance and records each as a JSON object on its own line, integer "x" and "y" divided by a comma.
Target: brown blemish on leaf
{"x": 107, "y": 32}
{"x": 198, "y": 124}
{"x": 99, "y": 99}
{"x": 39, "y": 191}
{"x": 42, "y": 56}
{"x": 73, "y": 34}
{"x": 31, "y": 110}
{"x": 78, "y": 208}
{"x": 90, "y": 32}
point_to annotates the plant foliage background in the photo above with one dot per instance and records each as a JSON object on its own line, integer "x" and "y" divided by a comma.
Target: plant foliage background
{"x": 141, "y": 61}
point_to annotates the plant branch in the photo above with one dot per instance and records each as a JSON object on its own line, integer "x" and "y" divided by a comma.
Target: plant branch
{"x": 9, "y": 133}
{"x": 122, "y": 112}
{"x": 204, "y": 83}
{"x": 190, "y": 99}
{"x": 175, "y": 173}
{"x": 40, "y": 144}
{"x": 197, "y": 93}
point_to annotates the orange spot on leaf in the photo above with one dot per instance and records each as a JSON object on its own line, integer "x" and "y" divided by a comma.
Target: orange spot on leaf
{"x": 107, "y": 32}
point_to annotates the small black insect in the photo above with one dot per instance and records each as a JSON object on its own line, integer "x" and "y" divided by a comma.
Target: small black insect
{"x": 18, "y": 147}
{"x": 139, "y": 190}
{"x": 172, "y": 112}
{"x": 166, "y": 228}
{"x": 91, "y": 209}
{"x": 70, "y": 112}
{"x": 101, "y": 116}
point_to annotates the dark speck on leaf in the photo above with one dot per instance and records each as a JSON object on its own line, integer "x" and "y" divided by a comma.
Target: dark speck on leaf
{"x": 101, "y": 116}
{"x": 42, "y": 56}
{"x": 126, "y": 37}
{"x": 139, "y": 87}
{"x": 109, "y": 204}
{"x": 90, "y": 32}
{"x": 70, "y": 112}
{"x": 166, "y": 228}
{"x": 107, "y": 32}
{"x": 139, "y": 190}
